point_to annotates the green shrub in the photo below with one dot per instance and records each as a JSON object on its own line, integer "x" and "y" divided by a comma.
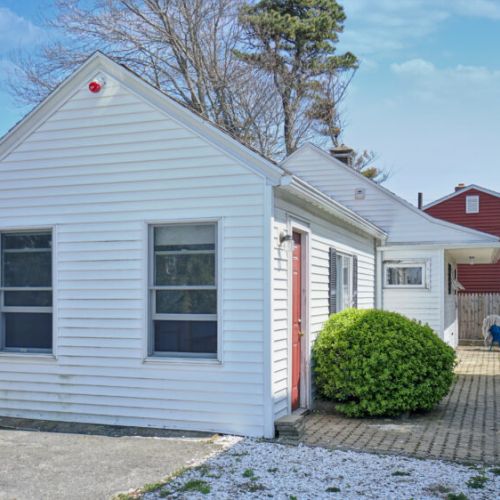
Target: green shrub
{"x": 378, "y": 363}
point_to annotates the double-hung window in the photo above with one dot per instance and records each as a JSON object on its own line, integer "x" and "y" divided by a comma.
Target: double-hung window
{"x": 472, "y": 204}
{"x": 343, "y": 281}
{"x": 26, "y": 291}
{"x": 184, "y": 290}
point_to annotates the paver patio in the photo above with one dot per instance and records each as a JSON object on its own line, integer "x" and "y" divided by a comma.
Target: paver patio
{"x": 464, "y": 427}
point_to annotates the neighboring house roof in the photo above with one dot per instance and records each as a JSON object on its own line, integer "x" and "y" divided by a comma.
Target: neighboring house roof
{"x": 217, "y": 136}
{"x": 324, "y": 179}
{"x": 462, "y": 191}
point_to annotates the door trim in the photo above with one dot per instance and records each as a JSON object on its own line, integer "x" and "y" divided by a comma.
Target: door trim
{"x": 302, "y": 227}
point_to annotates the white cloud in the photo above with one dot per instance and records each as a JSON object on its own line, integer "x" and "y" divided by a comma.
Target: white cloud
{"x": 489, "y": 9}
{"x": 413, "y": 67}
{"x": 15, "y": 31}
{"x": 454, "y": 84}
{"x": 388, "y": 26}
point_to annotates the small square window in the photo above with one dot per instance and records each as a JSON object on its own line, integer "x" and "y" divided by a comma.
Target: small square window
{"x": 472, "y": 204}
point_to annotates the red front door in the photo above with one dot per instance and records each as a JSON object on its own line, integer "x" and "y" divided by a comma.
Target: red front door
{"x": 296, "y": 317}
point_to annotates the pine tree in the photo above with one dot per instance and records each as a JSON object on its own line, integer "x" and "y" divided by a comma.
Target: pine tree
{"x": 294, "y": 41}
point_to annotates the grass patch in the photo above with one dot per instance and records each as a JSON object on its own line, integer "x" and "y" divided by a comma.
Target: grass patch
{"x": 477, "y": 482}
{"x": 249, "y": 473}
{"x": 252, "y": 487}
{"x": 496, "y": 471}
{"x": 401, "y": 473}
{"x": 438, "y": 489}
{"x": 150, "y": 487}
{"x": 196, "y": 485}
{"x": 456, "y": 496}
{"x": 272, "y": 470}
{"x": 333, "y": 489}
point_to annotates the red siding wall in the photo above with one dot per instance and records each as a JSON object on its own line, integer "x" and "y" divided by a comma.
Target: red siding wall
{"x": 480, "y": 277}
{"x": 453, "y": 210}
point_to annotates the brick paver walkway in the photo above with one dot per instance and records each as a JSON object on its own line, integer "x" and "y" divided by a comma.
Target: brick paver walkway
{"x": 464, "y": 427}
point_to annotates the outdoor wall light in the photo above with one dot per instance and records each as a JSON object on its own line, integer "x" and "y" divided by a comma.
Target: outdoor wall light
{"x": 472, "y": 260}
{"x": 284, "y": 237}
{"x": 286, "y": 241}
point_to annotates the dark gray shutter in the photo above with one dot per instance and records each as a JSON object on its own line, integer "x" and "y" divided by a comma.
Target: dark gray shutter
{"x": 449, "y": 279}
{"x": 332, "y": 294}
{"x": 355, "y": 281}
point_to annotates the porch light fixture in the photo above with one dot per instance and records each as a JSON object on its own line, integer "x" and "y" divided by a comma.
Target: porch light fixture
{"x": 286, "y": 241}
{"x": 284, "y": 237}
{"x": 472, "y": 260}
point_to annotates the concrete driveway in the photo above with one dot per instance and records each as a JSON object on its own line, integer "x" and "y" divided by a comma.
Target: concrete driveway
{"x": 53, "y": 465}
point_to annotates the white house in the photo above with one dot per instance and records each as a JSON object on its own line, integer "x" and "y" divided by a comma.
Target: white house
{"x": 155, "y": 272}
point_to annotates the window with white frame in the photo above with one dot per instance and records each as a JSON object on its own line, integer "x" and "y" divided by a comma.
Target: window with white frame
{"x": 26, "y": 291}
{"x": 472, "y": 204}
{"x": 184, "y": 290}
{"x": 344, "y": 281}
{"x": 409, "y": 274}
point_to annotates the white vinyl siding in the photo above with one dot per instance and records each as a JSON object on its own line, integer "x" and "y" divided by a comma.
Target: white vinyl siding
{"x": 402, "y": 223}
{"x": 325, "y": 232}
{"x": 100, "y": 170}
{"x": 420, "y": 303}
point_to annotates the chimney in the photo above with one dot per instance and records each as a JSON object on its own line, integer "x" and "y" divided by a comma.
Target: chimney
{"x": 460, "y": 186}
{"x": 420, "y": 200}
{"x": 343, "y": 153}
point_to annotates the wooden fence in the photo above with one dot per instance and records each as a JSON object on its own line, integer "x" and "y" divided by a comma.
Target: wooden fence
{"x": 472, "y": 309}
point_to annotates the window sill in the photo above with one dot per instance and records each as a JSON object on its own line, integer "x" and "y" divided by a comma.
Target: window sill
{"x": 165, "y": 360}
{"x": 27, "y": 356}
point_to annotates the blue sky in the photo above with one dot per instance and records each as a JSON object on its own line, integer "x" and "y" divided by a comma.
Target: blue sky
{"x": 426, "y": 98}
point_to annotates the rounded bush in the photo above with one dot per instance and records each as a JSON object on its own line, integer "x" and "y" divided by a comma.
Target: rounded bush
{"x": 379, "y": 363}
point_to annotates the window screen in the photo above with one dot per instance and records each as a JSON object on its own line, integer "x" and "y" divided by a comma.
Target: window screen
{"x": 26, "y": 291}
{"x": 184, "y": 290}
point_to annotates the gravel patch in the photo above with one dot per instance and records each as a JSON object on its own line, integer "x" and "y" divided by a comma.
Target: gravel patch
{"x": 251, "y": 469}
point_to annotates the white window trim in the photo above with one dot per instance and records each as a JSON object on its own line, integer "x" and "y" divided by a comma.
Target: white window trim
{"x": 24, "y": 353}
{"x": 175, "y": 357}
{"x": 351, "y": 279}
{"x": 423, "y": 264}
{"x": 472, "y": 199}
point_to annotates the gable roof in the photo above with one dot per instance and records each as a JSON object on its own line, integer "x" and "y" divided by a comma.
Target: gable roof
{"x": 389, "y": 194}
{"x": 462, "y": 191}
{"x": 98, "y": 62}
{"x": 217, "y": 136}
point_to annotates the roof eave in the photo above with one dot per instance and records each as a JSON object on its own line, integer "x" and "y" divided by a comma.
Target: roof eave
{"x": 302, "y": 189}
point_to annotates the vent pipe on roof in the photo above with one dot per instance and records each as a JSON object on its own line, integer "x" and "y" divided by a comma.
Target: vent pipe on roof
{"x": 460, "y": 186}
{"x": 343, "y": 153}
{"x": 420, "y": 200}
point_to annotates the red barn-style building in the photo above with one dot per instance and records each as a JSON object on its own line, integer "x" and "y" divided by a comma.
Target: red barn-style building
{"x": 478, "y": 208}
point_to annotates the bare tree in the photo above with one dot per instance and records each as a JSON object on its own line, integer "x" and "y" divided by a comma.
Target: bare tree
{"x": 182, "y": 47}
{"x": 188, "y": 49}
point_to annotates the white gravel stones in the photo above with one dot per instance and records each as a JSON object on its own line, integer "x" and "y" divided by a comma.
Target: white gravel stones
{"x": 250, "y": 469}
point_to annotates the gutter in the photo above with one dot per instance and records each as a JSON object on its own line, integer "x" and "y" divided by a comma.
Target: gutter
{"x": 305, "y": 191}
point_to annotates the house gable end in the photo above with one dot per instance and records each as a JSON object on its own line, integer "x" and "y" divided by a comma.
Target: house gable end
{"x": 402, "y": 221}
{"x": 119, "y": 76}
